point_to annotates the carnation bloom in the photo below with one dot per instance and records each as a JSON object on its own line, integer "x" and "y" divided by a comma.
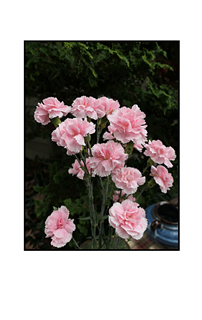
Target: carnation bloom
{"x": 107, "y": 157}
{"x": 107, "y": 136}
{"x": 70, "y": 134}
{"x": 83, "y": 107}
{"x": 159, "y": 153}
{"x": 128, "y": 219}
{"x": 138, "y": 147}
{"x": 106, "y": 106}
{"x": 162, "y": 177}
{"x": 78, "y": 171}
{"x": 117, "y": 194}
{"x": 49, "y": 109}
{"x": 128, "y": 179}
{"x": 59, "y": 227}
{"x": 128, "y": 125}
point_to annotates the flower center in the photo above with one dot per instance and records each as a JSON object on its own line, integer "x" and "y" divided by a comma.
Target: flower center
{"x": 60, "y": 224}
{"x": 129, "y": 177}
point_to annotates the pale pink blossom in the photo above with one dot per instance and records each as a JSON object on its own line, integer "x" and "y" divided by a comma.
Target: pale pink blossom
{"x": 49, "y": 109}
{"x": 83, "y": 107}
{"x": 107, "y": 158}
{"x": 138, "y": 147}
{"x": 128, "y": 219}
{"x": 159, "y": 153}
{"x": 117, "y": 195}
{"x": 128, "y": 125}
{"x": 128, "y": 179}
{"x": 107, "y": 136}
{"x": 106, "y": 106}
{"x": 162, "y": 177}
{"x": 59, "y": 227}
{"x": 70, "y": 134}
{"x": 78, "y": 171}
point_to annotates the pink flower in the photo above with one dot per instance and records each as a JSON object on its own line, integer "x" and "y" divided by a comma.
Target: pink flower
{"x": 138, "y": 147}
{"x": 51, "y": 108}
{"x": 78, "y": 171}
{"x": 117, "y": 193}
{"x": 159, "y": 153}
{"x": 128, "y": 219}
{"x": 83, "y": 107}
{"x": 128, "y": 179}
{"x": 107, "y": 157}
{"x": 70, "y": 134}
{"x": 106, "y": 106}
{"x": 107, "y": 136}
{"x": 128, "y": 125}
{"x": 162, "y": 177}
{"x": 59, "y": 227}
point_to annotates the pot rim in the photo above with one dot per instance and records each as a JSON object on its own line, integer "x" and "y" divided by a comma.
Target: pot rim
{"x": 160, "y": 204}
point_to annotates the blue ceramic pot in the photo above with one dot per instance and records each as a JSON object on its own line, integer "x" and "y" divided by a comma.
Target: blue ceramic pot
{"x": 163, "y": 220}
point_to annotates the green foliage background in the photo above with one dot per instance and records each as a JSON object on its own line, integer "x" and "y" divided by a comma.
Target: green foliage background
{"x": 133, "y": 72}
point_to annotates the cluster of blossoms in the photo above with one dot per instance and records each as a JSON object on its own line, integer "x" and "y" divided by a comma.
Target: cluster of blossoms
{"x": 90, "y": 107}
{"x": 126, "y": 126}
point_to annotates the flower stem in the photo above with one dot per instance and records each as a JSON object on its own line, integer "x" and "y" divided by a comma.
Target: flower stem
{"x": 92, "y": 210}
{"x": 76, "y": 244}
{"x": 145, "y": 187}
{"x": 104, "y": 200}
{"x": 116, "y": 243}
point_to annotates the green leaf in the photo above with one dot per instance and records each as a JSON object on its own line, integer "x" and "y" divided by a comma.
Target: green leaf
{"x": 38, "y": 189}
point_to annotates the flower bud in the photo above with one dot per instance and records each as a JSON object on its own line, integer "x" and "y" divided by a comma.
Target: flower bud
{"x": 56, "y": 121}
{"x": 87, "y": 138}
{"x": 103, "y": 122}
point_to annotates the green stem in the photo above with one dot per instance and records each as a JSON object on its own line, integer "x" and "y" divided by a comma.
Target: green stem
{"x": 76, "y": 243}
{"x": 104, "y": 200}
{"x": 116, "y": 243}
{"x": 92, "y": 210}
{"x": 89, "y": 145}
{"x": 150, "y": 162}
{"x": 145, "y": 187}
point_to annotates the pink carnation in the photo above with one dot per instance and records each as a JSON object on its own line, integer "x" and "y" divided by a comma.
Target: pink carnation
{"x": 162, "y": 177}
{"x": 70, "y": 134}
{"x": 106, "y": 106}
{"x": 51, "y": 108}
{"x": 128, "y": 125}
{"x": 128, "y": 219}
{"x": 78, "y": 171}
{"x": 107, "y": 136}
{"x": 107, "y": 157}
{"x": 159, "y": 153}
{"x": 117, "y": 193}
{"x": 59, "y": 227}
{"x": 83, "y": 107}
{"x": 128, "y": 179}
{"x": 138, "y": 147}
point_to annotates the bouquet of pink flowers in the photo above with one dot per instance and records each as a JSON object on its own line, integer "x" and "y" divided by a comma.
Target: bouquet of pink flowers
{"x": 106, "y": 161}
